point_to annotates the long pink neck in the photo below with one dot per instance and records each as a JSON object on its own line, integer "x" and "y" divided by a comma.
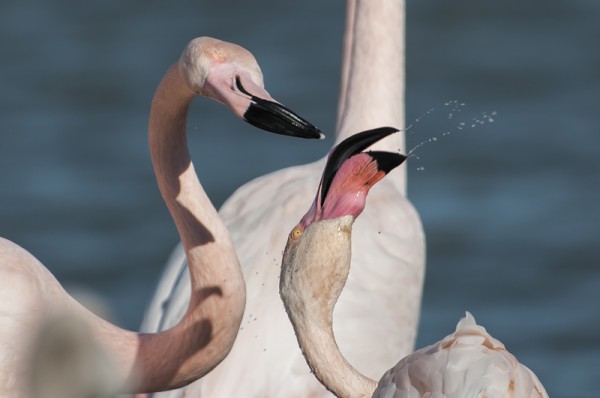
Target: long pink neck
{"x": 205, "y": 334}
{"x": 372, "y": 84}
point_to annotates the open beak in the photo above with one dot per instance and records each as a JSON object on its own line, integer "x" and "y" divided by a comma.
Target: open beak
{"x": 269, "y": 115}
{"x": 353, "y": 145}
{"x": 349, "y": 175}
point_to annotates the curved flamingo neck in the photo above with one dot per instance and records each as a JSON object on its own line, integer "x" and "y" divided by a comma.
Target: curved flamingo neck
{"x": 325, "y": 359}
{"x": 313, "y": 273}
{"x": 208, "y": 329}
{"x": 372, "y": 84}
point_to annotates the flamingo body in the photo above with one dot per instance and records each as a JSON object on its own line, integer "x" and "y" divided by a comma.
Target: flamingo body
{"x": 33, "y": 293}
{"x": 467, "y": 363}
{"x": 67, "y": 362}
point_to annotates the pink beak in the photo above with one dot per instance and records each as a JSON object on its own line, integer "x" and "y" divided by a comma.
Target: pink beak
{"x": 349, "y": 175}
{"x": 253, "y": 103}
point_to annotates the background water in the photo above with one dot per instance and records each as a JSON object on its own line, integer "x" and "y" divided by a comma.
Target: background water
{"x": 510, "y": 208}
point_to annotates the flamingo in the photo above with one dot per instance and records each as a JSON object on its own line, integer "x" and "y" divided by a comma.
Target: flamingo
{"x": 29, "y": 293}
{"x": 265, "y": 360}
{"x": 315, "y": 267}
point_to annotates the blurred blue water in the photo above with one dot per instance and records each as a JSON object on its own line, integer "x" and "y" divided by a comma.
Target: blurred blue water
{"x": 510, "y": 207}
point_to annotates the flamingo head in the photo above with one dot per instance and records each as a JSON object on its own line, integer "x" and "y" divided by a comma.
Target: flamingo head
{"x": 348, "y": 176}
{"x": 230, "y": 75}
{"x": 316, "y": 259}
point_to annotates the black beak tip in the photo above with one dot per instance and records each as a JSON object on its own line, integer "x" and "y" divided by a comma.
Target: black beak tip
{"x": 275, "y": 118}
{"x": 321, "y": 134}
{"x": 387, "y": 161}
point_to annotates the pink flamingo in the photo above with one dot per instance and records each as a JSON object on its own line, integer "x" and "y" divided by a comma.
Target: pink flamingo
{"x": 29, "y": 293}
{"x": 265, "y": 360}
{"x": 315, "y": 267}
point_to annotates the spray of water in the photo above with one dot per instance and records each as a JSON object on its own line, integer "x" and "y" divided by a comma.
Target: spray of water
{"x": 453, "y": 109}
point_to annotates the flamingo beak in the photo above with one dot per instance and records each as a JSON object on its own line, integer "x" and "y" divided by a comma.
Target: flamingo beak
{"x": 349, "y": 175}
{"x": 276, "y": 118}
{"x": 252, "y": 103}
{"x": 353, "y": 145}
{"x": 269, "y": 115}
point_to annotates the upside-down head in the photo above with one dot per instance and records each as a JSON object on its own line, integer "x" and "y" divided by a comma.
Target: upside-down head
{"x": 316, "y": 259}
{"x": 348, "y": 176}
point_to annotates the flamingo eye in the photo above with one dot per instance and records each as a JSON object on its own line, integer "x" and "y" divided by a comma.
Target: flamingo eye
{"x": 296, "y": 233}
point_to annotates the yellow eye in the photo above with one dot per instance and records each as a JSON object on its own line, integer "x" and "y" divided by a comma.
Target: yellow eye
{"x": 296, "y": 233}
